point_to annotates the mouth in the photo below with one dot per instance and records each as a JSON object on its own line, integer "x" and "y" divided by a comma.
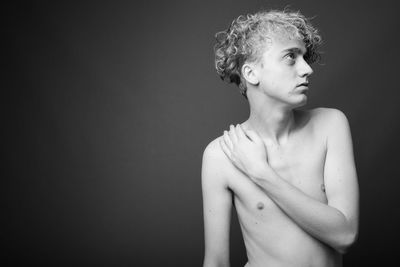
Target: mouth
{"x": 305, "y": 84}
{"x": 302, "y": 88}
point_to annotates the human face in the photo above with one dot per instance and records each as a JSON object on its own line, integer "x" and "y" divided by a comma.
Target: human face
{"x": 283, "y": 73}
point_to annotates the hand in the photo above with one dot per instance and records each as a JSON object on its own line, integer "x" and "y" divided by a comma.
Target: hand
{"x": 245, "y": 149}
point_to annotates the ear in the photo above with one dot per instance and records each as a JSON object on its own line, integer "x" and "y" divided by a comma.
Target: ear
{"x": 249, "y": 74}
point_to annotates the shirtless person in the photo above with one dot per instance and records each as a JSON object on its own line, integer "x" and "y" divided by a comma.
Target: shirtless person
{"x": 290, "y": 173}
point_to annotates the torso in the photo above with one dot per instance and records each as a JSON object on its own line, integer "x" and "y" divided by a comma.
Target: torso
{"x": 271, "y": 237}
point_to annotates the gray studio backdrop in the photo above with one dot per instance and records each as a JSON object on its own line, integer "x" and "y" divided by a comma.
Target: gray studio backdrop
{"x": 108, "y": 106}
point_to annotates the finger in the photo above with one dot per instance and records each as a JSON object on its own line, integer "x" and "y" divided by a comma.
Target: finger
{"x": 239, "y": 132}
{"x": 227, "y": 140}
{"x": 232, "y": 134}
{"x": 224, "y": 147}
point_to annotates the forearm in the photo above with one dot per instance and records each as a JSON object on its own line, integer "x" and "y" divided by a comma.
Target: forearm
{"x": 320, "y": 220}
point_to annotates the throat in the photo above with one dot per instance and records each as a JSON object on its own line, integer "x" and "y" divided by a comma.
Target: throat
{"x": 272, "y": 128}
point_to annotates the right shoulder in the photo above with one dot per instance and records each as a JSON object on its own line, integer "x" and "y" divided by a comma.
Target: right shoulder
{"x": 215, "y": 163}
{"x": 214, "y": 150}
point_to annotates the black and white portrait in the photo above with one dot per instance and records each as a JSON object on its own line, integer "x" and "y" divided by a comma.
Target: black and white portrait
{"x": 200, "y": 133}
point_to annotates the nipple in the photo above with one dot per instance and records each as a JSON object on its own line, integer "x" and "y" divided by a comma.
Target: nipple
{"x": 260, "y": 205}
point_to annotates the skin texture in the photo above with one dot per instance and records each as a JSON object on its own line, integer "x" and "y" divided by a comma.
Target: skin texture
{"x": 275, "y": 166}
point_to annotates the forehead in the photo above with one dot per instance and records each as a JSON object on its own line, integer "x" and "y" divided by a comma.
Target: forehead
{"x": 281, "y": 44}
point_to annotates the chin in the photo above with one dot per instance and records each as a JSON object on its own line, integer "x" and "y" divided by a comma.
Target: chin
{"x": 301, "y": 102}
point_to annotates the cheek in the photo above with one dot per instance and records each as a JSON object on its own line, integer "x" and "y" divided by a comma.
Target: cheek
{"x": 276, "y": 78}
{"x": 286, "y": 78}
{"x": 280, "y": 80}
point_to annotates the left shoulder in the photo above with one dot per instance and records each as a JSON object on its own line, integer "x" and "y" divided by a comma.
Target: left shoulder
{"x": 333, "y": 125}
{"x": 328, "y": 113}
{"x": 324, "y": 122}
{"x": 328, "y": 118}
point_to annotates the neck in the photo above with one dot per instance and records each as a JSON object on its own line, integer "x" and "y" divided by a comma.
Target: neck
{"x": 271, "y": 120}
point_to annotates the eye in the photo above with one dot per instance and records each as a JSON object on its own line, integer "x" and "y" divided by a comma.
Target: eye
{"x": 291, "y": 57}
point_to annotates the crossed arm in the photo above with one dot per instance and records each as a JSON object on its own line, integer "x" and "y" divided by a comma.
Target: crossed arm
{"x": 334, "y": 223}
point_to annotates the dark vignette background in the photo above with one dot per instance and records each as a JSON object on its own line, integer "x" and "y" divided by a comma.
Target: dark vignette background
{"x": 107, "y": 107}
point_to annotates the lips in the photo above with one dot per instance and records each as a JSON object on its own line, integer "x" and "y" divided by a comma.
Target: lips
{"x": 303, "y": 84}
{"x": 302, "y": 88}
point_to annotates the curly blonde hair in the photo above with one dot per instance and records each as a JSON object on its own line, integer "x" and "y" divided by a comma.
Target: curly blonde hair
{"x": 244, "y": 40}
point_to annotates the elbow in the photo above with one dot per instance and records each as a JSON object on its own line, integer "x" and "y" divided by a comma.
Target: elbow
{"x": 215, "y": 262}
{"x": 346, "y": 242}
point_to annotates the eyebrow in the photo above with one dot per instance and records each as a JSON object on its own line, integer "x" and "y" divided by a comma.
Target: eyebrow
{"x": 294, "y": 50}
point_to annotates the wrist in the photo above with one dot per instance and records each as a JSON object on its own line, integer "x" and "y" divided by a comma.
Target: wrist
{"x": 260, "y": 171}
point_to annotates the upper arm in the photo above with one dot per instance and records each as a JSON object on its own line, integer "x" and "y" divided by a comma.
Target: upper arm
{"x": 217, "y": 203}
{"x": 340, "y": 175}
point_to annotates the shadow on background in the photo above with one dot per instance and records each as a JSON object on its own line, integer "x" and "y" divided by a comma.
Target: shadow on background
{"x": 107, "y": 108}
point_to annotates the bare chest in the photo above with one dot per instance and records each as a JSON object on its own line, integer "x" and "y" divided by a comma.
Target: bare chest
{"x": 301, "y": 163}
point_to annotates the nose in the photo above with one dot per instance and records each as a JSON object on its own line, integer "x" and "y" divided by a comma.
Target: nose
{"x": 304, "y": 69}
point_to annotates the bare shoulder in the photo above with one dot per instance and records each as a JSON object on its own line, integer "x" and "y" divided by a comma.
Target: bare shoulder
{"x": 215, "y": 163}
{"x": 214, "y": 150}
{"x": 327, "y": 118}
{"x": 328, "y": 113}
